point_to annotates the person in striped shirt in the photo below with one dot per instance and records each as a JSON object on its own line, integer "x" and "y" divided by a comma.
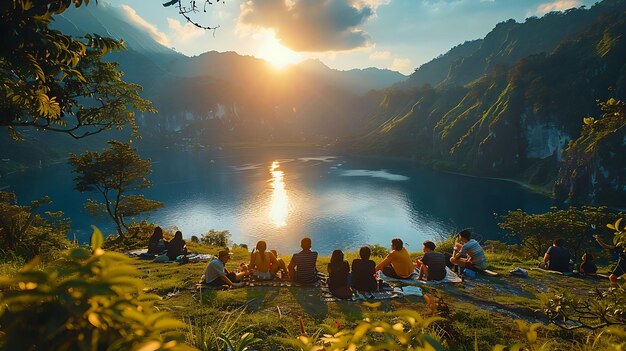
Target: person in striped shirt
{"x": 469, "y": 254}
{"x": 302, "y": 266}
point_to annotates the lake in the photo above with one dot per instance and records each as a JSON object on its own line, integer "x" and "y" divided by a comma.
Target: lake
{"x": 281, "y": 196}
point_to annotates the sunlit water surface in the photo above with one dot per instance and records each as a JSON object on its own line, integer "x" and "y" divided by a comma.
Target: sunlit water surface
{"x": 281, "y": 196}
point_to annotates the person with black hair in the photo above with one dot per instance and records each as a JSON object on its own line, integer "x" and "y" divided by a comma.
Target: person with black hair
{"x": 157, "y": 244}
{"x": 363, "y": 270}
{"x": 587, "y": 266}
{"x": 338, "y": 276}
{"x": 557, "y": 258}
{"x": 432, "y": 266}
{"x": 474, "y": 259}
{"x": 177, "y": 246}
{"x": 398, "y": 263}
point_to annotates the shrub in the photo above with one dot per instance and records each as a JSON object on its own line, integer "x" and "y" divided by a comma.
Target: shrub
{"x": 378, "y": 251}
{"x": 575, "y": 224}
{"x": 194, "y": 239}
{"x": 87, "y": 300}
{"x": 26, "y": 234}
{"x": 216, "y": 238}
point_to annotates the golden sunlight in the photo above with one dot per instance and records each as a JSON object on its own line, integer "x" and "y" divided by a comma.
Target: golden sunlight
{"x": 278, "y": 207}
{"x": 272, "y": 51}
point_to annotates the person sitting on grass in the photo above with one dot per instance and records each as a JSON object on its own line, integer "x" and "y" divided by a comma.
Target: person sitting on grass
{"x": 469, "y": 254}
{"x": 432, "y": 266}
{"x": 260, "y": 261}
{"x": 216, "y": 274}
{"x": 398, "y": 263}
{"x": 363, "y": 270}
{"x": 302, "y": 265}
{"x": 587, "y": 266}
{"x": 620, "y": 268}
{"x": 157, "y": 245}
{"x": 338, "y": 276}
{"x": 177, "y": 246}
{"x": 279, "y": 266}
{"x": 556, "y": 258}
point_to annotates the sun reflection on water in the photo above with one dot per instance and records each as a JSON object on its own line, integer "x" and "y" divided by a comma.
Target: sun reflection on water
{"x": 278, "y": 208}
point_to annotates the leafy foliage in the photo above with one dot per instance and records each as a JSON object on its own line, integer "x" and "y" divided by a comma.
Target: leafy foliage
{"x": 216, "y": 238}
{"x": 51, "y": 81}
{"x": 88, "y": 300}
{"x": 25, "y": 233}
{"x": 378, "y": 251}
{"x": 596, "y": 149}
{"x": 605, "y": 309}
{"x": 576, "y": 225}
{"x": 113, "y": 173}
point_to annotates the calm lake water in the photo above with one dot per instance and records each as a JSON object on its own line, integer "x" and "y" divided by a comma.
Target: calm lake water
{"x": 281, "y": 196}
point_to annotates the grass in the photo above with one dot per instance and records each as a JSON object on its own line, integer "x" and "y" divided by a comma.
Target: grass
{"x": 482, "y": 309}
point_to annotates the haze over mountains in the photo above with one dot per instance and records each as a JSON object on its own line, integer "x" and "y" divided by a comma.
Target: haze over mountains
{"x": 504, "y": 105}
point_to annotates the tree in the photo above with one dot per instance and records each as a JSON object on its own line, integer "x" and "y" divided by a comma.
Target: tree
{"x": 593, "y": 165}
{"x": 25, "y": 233}
{"x": 185, "y": 10}
{"x": 113, "y": 173}
{"x": 575, "y": 224}
{"x": 53, "y": 82}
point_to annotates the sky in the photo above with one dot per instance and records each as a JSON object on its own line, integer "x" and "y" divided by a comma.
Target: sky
{"x": 344, "y": 34}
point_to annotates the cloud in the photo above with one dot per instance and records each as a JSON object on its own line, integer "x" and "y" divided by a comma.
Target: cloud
{"x": 380, "y": 55}
{"x": 401, "y": 65}
{"x": 132, "y": 17}
{"x": 312, "y": 25}
{"x": 557, "y": 5}
{"x": 183, "y": 33}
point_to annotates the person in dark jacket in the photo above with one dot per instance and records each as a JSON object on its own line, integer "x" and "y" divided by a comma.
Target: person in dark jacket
{"x": 557, "y": 258}
{"x": 338, "y": 273}
{"x": 363, "y": 270}
{"x": 177, "y": 246}
{"x": 157, "y": 245}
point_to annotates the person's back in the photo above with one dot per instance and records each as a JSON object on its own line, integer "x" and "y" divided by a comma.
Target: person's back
{"x": 157, "y": 247}
{"x": 436, "y": 263}
{"x": 176, "y": 247}
{"x": 401, "y": 262}
{"x": 306, "y": 272}
{"x": 559, "y": 259}
{"x": 338, "y": 275}
{"x": 261, "y": 261}
{"x": 363, "y": 275}
{"x": 473, "y": 249}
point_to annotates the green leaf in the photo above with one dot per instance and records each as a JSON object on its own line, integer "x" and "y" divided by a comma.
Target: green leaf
{"x": 97, "y": 239}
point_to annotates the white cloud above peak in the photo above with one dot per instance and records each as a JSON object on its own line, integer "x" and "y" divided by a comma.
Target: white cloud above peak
{"x": 131, "y": 16}
{"x": 557, "y": 5}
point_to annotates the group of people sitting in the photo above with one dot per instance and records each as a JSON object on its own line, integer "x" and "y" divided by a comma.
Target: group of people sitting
{"x": 343, "y": 278}
{"x": 157, "y": 245}
{"x": 558, "y": 258}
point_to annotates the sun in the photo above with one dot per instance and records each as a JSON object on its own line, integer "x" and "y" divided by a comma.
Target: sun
{"x": 272, "y": 51}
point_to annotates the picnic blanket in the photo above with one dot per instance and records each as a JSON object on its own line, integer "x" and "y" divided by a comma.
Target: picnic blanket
{"x": 143, "y": 254}
{"x": 276, "y": 283}
{"x": 326, "y": 296}
{"x": 451, "y": 277}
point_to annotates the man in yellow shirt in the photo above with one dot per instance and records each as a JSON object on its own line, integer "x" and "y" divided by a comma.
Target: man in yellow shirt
{"x": 398, "y": 263}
